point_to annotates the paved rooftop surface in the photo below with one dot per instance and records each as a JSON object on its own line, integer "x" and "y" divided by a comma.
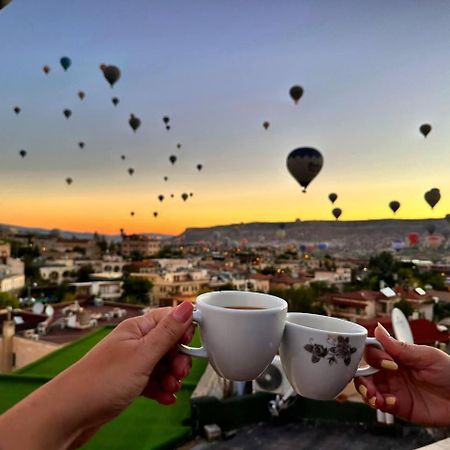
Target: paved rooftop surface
{"x": 311, "y": 435}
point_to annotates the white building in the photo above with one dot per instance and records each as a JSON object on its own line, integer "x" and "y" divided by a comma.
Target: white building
{"x": 12, "y": 275}
{"x": 341, "y": 275}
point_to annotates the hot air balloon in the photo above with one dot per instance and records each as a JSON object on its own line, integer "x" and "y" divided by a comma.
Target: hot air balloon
{"x": 431, "y": 228}
{"x": 46, "y": 69}
{"x": 296, "y": 93}
{"x": 199, "y": 167}
{"x": 160, "y": 197}
{"x": 67, "y": 113}
{"x": 413, "y": 238}
{"x": 435, "y": 240}
{"x": 112, "y": 74}
{"x": 81, "y": 144}
{"x": 122, "y": 157}
{"x": 398, "y": 244}
{"x": 81, "y": 95}
{"x": 425, "y": 129}
{"x": 178, "y": 146}
{"x": 266, "y": 125}
{"x": 333, "y": 197}
{"x": 134, "y": 122}
{"x": 432, "y": 197}
{"x": 69, "y": 181}
{"x": 304, "y": 164}
{"x": 115, "y": 101}
{"x": 184, "y": 196}
{"x": 131, "y": 171}
{"x": 394, "y": 205}
{"x": 167, "y": 127}
{"x": 166, "y": 178}
{"x": 132, "y": 213}
{"x": 23, "y": 153}
{"x": 65, "y": 62}
{"x": 172, "y": 196}
{"x": 166, "y": 119}
{"x": 191, "y": 194}
{"x": 155, "y": 214}
{"x": 173, "y": 159}
{"x": 337, "y": 213}
{"x": 3, "y": 3}
{"x": 17, "y": 109}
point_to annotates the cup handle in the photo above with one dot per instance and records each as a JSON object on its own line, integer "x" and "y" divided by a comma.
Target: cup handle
{"x": 199, "y": 352}
{"x": 369, "y": 370}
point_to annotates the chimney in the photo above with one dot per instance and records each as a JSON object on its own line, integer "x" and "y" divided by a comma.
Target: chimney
{"x": 9, "y": 330}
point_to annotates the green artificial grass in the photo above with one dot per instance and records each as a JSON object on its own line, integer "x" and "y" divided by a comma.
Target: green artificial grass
{"x": 145, "y": 425}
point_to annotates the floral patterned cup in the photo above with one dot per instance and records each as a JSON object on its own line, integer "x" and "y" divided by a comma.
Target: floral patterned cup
{"x": 320, "y": 354}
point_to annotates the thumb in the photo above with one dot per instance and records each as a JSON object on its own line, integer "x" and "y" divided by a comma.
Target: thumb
{"x": 160, "y": 339}
{"x": 404, "y": 353}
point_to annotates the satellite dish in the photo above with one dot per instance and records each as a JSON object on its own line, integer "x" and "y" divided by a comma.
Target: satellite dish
{"x": 38, "y": 308}
{"x": 49, "y": 311}
{"x": 270, "y": 379}
{"x": 400, "y": 323}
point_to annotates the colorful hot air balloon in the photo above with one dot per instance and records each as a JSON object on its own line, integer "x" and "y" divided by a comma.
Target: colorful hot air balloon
{"x": 184, "y": 196}
{"x": 123, "y": 157}
{"x": 115, "y": 101}
{"x": 160, "y": 197}
{"x": 332, "y": 197}
{"x": 81, "y": 144}
{"x": 3, "y": 3}
{"x": 337, "y": 213}
{"x": 394, "y": 205}
{"x": 67, "y": 113}
{"x": 81, "y": 95}
{"x": 23, "y": 153}
{"x": 69, "y": 181}
{"x": 134, "y": 122}
{"x": 46, "y": 69}
{"x": 398, "y": 244}
{"x": 199, "y": 167}
{"x": 155, "y": 214}
{"x": 435, "y": 240}
{"x": 413, "y": 238}
{"x": 296, "y": 93}
{"x": 432, "y": 197}
{"x": 266, "y": 125}
{"x": 112, "y": 74}
{"x": 173, "y": 159}
{"x": 66, "y": 62}
{"x": 131, "y": 171}
{"x": 425, "y": 129}
{"x": 304, "y": 164}
{"x": 17, "y": 109}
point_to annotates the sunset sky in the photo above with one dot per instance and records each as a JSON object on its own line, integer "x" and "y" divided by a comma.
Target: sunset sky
{"x": 373, "y": 72}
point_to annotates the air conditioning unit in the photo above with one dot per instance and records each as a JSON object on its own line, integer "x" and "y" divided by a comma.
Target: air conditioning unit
{"x": 273, "y": 379}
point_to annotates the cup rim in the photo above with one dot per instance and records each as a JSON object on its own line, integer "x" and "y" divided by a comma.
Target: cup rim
{"x": 362, "y": 331}
{"x": 201, "y": 300}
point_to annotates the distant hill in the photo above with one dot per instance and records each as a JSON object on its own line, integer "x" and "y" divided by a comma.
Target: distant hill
{"x": 349, "y": 237}
{"x": 77, "y": 234}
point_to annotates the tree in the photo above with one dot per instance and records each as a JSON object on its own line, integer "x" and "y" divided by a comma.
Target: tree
{"x": 8, "y": 299}
{"x": 405, "y": 307}
{"x": 302, "y": 299}
{"x": 384, "y": 267}
{"x": 84, "y": 273}
{"x": 136, "y": 290}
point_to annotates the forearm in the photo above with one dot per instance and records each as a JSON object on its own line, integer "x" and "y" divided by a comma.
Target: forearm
{"x": 53, "y": 417}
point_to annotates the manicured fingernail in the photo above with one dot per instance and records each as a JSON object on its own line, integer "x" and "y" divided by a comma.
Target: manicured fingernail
{"x": 362, "y": 390}
{"x": 372, "y": 401}
{"x": 390, "y": 401}
{"x": 383, "y": 330}
{"x": 182, "y": 312}
{"x": 388, "y": 364}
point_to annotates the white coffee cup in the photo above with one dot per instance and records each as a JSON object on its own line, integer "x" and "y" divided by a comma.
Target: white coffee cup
{"x": 239, "y": 343}
{"x": 320, "y": 354}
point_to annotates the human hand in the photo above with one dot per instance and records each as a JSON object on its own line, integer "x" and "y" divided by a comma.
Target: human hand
{"x": 413, "y": 382}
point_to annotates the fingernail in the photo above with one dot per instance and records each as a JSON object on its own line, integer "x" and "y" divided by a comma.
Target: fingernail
{"x": 388, "y": 364}
{"x": 390, "y": 401}
{"x": 362, "y": 390}
{"x": 383, "y": 330}
{"x": 182, "y": 312}
{"x": 372, "y": 401}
